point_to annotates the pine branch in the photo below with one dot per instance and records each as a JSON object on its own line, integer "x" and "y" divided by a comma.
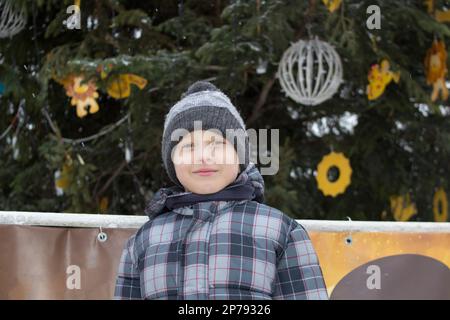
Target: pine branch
{"x": 257, "y": 109}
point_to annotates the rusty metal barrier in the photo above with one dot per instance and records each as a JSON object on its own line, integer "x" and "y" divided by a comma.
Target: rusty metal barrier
{"x": 75, "y": 256}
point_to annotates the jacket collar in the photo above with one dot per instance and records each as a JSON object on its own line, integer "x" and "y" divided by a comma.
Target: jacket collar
{"x": 249, "y": 185}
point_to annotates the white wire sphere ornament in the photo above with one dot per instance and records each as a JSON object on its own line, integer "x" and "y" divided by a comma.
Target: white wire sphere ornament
{"x": 310, "y": 71}
{"x": 12, "y": 20}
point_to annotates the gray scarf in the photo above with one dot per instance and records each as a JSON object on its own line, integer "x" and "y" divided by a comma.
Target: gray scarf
{"x": 249, "y": 185}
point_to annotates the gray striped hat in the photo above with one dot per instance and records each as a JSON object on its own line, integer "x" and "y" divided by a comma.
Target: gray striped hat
{"x": 205, "y": 103}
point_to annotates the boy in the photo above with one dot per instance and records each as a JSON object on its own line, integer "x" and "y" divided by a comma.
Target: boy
{"x": 210, "y": 236}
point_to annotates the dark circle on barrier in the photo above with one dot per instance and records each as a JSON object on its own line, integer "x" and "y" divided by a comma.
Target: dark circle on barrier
{"x": 398, "y": 277}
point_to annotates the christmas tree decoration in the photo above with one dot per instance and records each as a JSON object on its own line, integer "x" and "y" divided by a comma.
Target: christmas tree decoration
{"x": 12, "y": 19}
{"x": 103, "y": 205}
{"x": 310, "y": 71}
{"x": 442, "y": 16}
{"x": 129, "y": 143}
{"x": 83, "y": 94}
{"x": 430, "y": 5}
{"x": 440, "y": 206}
{"x": 332, "y": 5}
{"x": 436, "y": 69}
{"x": 14, "y": 147}
{"x": 2, "y": 88}
{"x": 402, "y": 208}
{"x": 104, "y": 70}
{"x": 337, "y": 161}
{"x": 119, "y": 87}
{"x": 128, "y": 151}
{"x": 379, "y": 77}
{"x": 57, "y": 176}
{"x": 262, "y": 66}
{"x": 80, "y": 159}
{"x": 63, "y": 177}
{"x": 439, "y": 15}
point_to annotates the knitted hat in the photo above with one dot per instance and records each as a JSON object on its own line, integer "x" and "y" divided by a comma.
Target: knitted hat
{"x": 205, "y": 103}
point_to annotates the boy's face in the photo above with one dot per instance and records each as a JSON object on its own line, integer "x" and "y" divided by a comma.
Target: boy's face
{"x": 205, "y": 162}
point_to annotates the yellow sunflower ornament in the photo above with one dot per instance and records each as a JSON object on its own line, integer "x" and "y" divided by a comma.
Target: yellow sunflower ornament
{"x": 333, "y": 188}
{"x": 440, "y": 206}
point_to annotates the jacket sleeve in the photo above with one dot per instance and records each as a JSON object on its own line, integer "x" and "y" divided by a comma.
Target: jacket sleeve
{"x": 298, "y": 275}
{"x": 128, "y": 285}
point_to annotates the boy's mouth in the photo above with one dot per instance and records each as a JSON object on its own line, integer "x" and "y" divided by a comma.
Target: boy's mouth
{"x": 205, "y": 172}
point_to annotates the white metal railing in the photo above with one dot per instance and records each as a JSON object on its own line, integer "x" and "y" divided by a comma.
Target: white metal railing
{"x": 121, "y": 221}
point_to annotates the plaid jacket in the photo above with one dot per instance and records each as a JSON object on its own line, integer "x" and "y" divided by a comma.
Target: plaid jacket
{"x": 220, "y": 250}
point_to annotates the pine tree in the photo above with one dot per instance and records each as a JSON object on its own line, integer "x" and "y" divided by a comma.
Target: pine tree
{"x": 400, "y": 144}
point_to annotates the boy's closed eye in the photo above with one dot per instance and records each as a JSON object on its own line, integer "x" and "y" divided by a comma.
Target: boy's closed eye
{"x": 217, "y": 142}
{"x": 191, "y": 145}
{"x": 187, "y": 145}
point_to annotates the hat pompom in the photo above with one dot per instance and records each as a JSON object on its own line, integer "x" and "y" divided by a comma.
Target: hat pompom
{"x": 199, "y": 86}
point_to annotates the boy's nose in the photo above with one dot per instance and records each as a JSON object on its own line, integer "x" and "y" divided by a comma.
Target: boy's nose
{"x": 205, "y": 154}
